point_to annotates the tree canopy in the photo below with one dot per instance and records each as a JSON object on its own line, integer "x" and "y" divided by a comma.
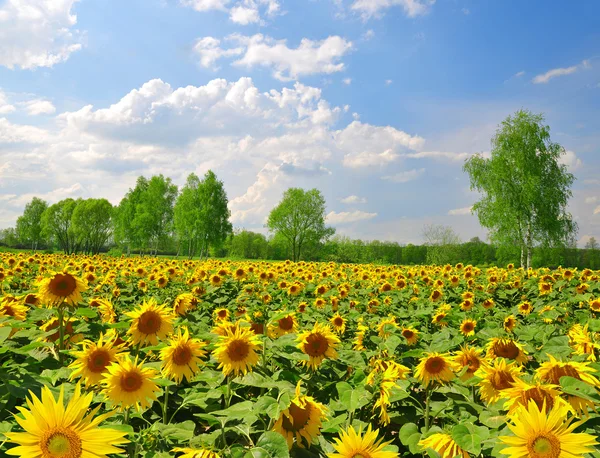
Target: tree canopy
{"x": 525, "y": 189}
{"x": 29, "y": 224}
{"x": 300, "y": 219}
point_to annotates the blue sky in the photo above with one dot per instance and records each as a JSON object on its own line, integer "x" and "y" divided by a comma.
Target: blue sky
{"x": 375, "y": 102}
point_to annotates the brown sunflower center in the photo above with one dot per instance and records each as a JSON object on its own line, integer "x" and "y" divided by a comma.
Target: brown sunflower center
{"x": 149, "y": 322}
{"x": 98, "y": 360}
{"x": 316, "y": 344}
{"x": 131, "y": 381}
{"x": 435, "y": 365}
{"x": 473, "y": 364}
{"x": 538, "y": 396}
{"x": 506, "y": 349}
{"x": 502, "y": 380}
{"x": 60, "y": 443}
{"x": 557, "y": 372}
{"x": 300, "y": 417}
{"x": 338, "y": 321}
{"x": 238, "y": 350}
{"x": 222, "y": 313}
{"x": 468, "y": 327}
{"x": 408, "y": 334}
{"x": 286, "y": 323}
{"x": 182, "y": 355}
{"x": 62, "y": 285}
{"x": 544, "y": 446}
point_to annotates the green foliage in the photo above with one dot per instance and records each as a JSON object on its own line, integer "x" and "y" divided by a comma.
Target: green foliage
{"x": 92, "y": 224}
{"x": 300, "y": 219}
{"x": 29, "y": 224}
{"x": 57, "y": 225}
{"x": 525, "y": 188}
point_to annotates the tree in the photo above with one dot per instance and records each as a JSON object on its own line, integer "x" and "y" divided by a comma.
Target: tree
{"x": 591, "y": 244}
{"x": 92, "y": 224}
{"x": 124, "y": 231}
{"x": 442, "y": 243}
{"x": 201, "y": 214}
{"x": 8, "y": 237}
{"x": 300, "y": 219}
{"x": 29, "y": 224}
{"x": 525, "y": 188}
{"x": 57, "y": 225}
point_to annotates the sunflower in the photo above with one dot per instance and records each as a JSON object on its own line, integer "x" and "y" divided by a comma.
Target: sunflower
{"x": 11, "y": 307}
{"x": 216, "y": 280}
{"x": 69, "y": 337}
{"x": 318, "y": 343}
{"x": 236, "y": 350}
{"x": 150, "y": 323}
{"x": 495, "y": 377}
{"x": 184, "y": 303}
{"x": 338, "y": 323}
{"x": 582, "y": 342}
{"x": 128, "y": 384}
{"x": 435, "y": 367}
{"x": 411, "y": 335}
{"x": 525, "y": 308}
{"x": 500, "y": 347}
{"x": 386, "y": 327}
{"x": 444, "y": 445}
{"x": 352, "y": 443}
{"x": 469, "y": 357}
{"x": 195, "y": 453}
{"x": 221, "y": 314}
{"x": 93, "y": 360}
{"x": 538, "y": 433}
{"x": 61, "y": 287}
{"x": 467, "y": 327}
{"x": 385, "y": 374}
{"x": 551, "y": 371}
{"x": 439, "y": 317}
{"x": 55, "y": 431}
{"x": 359, "y": 338}
{"x": 594, "y": 305}
{"x": 302, "y": 419}
{"x": 521, "y": 393}
{"x": 283, "y": 326}
{"x": 510, "y": 322}
{"x": 182, "y": 356}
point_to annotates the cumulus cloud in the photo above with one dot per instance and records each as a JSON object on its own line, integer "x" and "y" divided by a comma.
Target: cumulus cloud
{"x": 368, "y": 159}
{"x": 336, "y": 218}
{"x": 544, "y": 78}
{"x": 5, "y": 106}
{"x": 460, "y": 211}
{"x": 376, "y": 8}
{"x": 404, "y": 177}
{"x": 353, "y": 200}
{"x": 37, "y": 33}
{"x": 209, "y": 51}
{"x": 570, "y": 159}
{"x": 309, "y": 58}
{"x": 242, "y": 13}
{"x": 38, "y": 107}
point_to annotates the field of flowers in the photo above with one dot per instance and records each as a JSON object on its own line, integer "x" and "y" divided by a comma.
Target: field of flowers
{"x": 155, "y": 357}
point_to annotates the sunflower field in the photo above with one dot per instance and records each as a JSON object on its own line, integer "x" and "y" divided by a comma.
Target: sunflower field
{"x": 155, "y": 357}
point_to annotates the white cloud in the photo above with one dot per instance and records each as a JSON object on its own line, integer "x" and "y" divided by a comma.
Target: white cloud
{"x": 206, "y": 5}
{"x": 556, "y": 72}
{"x": 519, "y": 74}
{"x": 38, "y": 107}
{"x": 460, "y": 211}
{"x": 457, "y": 157}
{"x": 309, "y": 58}
{"x": 347, "y": 81}
{"x": 37, "y": 33}
{"x": 5, "y": 106}
{"x": 367, "y": 159}
{"x": 375, "y": 8}
{"x": 368, "y": 34}
{"x": 570, "y": 159}
{"x": 360, "y": 137}
{"x": 404, "y": 177}
{"x": 244, "y": 15}
{"x": 597, "y": 210}
{"x": 353, "y": 200}
{"x": 209, "y": 50}
{"x": 591, "y": 200}
{"x": 335, "y": 218}
{"x": 388, "y": 82}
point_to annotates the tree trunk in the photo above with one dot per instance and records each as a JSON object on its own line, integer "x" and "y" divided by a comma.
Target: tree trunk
{"x": 522, "y": 256}
{"x": 529, "y": 245}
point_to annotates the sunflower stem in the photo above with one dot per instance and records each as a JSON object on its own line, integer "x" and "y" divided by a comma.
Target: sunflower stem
{"x": 427, "y": 399}
{"x": 165, "y": 406}
{"x": 61, "y": 333}
{"x": 228, "y": 394}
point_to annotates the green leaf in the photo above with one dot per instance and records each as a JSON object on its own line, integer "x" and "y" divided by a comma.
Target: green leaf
{"x": 86, "y": 312}
{"x": 470, "y": 437}
{"x": 574, "y": 387}
{"x": 4, "y": 333}
{"x": 410, "y": 436}
{"x": 270, "y": 445}
{"x": 352, "y": 398}
{"x": 492, "y": 419}
{"x": 180, "y": 432}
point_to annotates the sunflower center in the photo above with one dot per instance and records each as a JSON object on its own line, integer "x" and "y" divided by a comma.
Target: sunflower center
{"x": 131, "y": 381}
{"x": 468, "y": 327}
{"x": 62, "y": 285}
{"x": 60, "y": 443}
{"x": 473, "y": 364}
{"x": 98, "y": 361}
{"x": 361, "y": 455}
{"x": 435, "y": 365}
{"x": 222, "y": 313}
{"x": 502, "y": 380}
{"x": 407, "y": 334}
{"x": 149, "y": 322}
{"x": 238, "y": 350}
{"x": 544, "y": 446}
{"x": 338, "y": 321}
{"x": 539, "y": 397}
{"x": 300, "y": 417}
{"x": 182, "y": 355}
{"x": 557, "y": 372}
{"x": 316, "y": 344}
{"x": 507, "y": 349}
{"x": 286, "y": 323}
